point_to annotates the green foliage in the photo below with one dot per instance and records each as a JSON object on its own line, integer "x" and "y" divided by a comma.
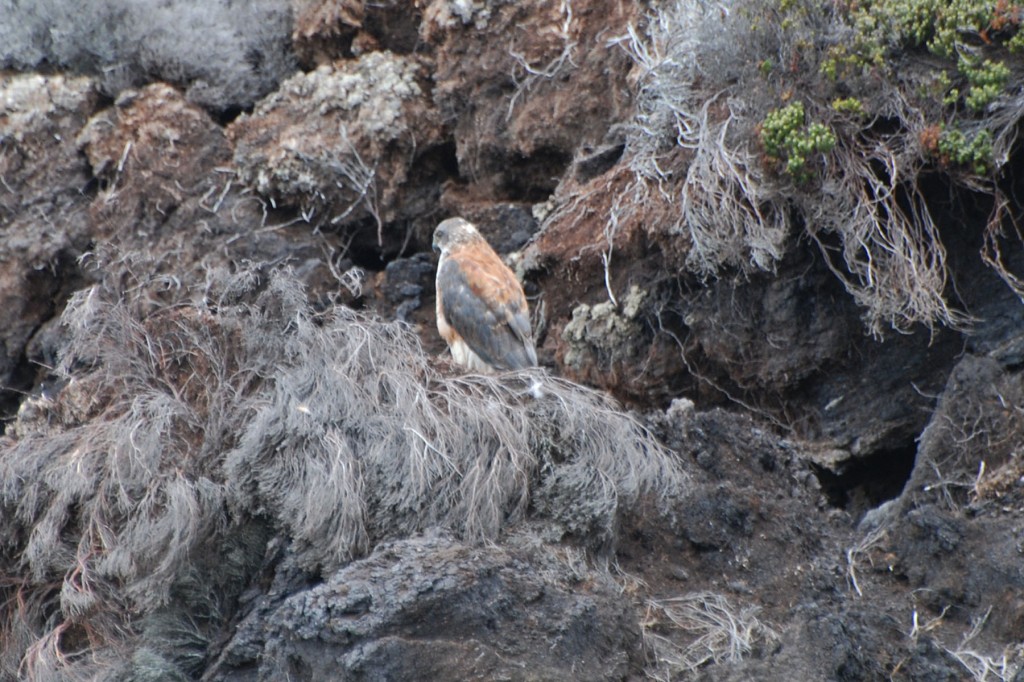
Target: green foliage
{"x": 786, "y": 137}
{"x": 953, "y": 18}
{"x": 944, "y": 27}
{"x": 915, "y": 19}
{"x": 943, "y": 87}
{"x": 973, "y": 152}
{"x": 865, "y": 51}
{"x": 939, "y": 25}
{"x": 848, "y": 105}
{"x": 987, "y": 80}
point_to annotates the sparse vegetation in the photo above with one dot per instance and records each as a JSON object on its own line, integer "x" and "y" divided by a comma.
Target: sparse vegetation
{"x": 987, "y": 79}
{"x": 849, "y": 105}
{"x": 951, "y": 29}
{"x": 954, "y": 147}
{"x": 767, "y": 87}
{"x": 1002, "y": 667}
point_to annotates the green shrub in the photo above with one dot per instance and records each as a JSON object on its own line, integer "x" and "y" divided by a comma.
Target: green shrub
{"x": 947, "y": 28}
{"x": 789, "y": 139}
{"x": 858, "y": 80}
{"x": 973, "y": 152}
{"x": 987, "y": 79}
{"x": 848, "y": 105}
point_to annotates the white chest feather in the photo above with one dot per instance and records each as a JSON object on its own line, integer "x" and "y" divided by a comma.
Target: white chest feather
{"x": 463, "y": 355}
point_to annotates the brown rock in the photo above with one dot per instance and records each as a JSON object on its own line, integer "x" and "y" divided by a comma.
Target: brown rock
{"x": 154, "y": 151}
{"x": 324, "y": 29}
{"x": 44, "y": 188}
{"x": 340, "y": 141}
{"x": 526, "y": 84}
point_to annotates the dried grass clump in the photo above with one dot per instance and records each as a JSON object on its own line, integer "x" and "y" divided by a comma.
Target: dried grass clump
{"x": 360, "y": 438}
{"x": 710, "y": 75}
{"x": 226, "y": 54}
{"x": 734, "y": 216}
{"x": 112, "y": 503}
{"x": 716, "y": 631}
{"x": 138, "y": 504}
{"x": 1004, "y": 666}
{"x": 973, "y": 438}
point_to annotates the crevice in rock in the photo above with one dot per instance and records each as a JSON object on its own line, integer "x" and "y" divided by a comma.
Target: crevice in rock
{"x": 440, "y": 161}
{"x": 29, "y": 375}
{"x": 224, "y": 117}
{"x": 599, "y": 162}
{"x": 372, "y": 247}
{"x": 397, "y": 27}
{"x": 534, "y": 178}
{"x": 866, "y": 482}
{"x": 18, "y": 388}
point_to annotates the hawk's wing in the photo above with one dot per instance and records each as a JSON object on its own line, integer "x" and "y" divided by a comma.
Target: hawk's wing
{"x": 484, "y": 303}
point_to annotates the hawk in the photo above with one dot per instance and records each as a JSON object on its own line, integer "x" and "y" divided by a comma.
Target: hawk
{"x": 481, "y": 308}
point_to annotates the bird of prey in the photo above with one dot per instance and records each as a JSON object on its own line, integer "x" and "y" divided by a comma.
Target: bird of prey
{"x": 481, "y": 308}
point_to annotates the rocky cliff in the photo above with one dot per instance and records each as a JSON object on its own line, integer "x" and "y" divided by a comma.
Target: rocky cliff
{"x": 773, "y": 256}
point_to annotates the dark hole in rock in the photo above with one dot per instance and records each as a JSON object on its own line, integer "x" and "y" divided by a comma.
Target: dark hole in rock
{"x": 599, "y": 163}
{"x": 422, "y": 189}
{"x": 442, "y": 157}
{"x": 866, "y": 482}
{"x": 18, "y": 387}
{"x": 372, "y": 247}
{"x": 532, "y": 179}
{"x": 226, "y": 116}
{"x": 397, "y": 26}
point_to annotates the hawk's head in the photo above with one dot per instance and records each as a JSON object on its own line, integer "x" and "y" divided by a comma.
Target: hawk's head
{"x": 454, "y": 232}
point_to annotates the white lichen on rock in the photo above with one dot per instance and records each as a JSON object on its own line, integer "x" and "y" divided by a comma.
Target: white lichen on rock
{"x": 447, "y": 14}
{"x": 30, "y": 102}
{"x": 604, "y": 330}
{"x": 333, "y": 135}
{"x": 379, "y": 82}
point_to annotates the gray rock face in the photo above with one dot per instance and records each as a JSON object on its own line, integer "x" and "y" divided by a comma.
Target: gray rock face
{"x": 435, "y": 609}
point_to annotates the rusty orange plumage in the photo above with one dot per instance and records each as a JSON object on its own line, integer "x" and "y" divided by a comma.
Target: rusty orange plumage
{"x": 482, "y": 311}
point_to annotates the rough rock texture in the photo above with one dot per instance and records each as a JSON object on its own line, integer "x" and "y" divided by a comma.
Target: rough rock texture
{"x": 341, "y": 141}
{"x": 431, "y": 608}
{"x": 43, "y": 219}
{"x": 855, "y": 506}
{"x": 165, "y": 175}
{"x": 525, "y": 85}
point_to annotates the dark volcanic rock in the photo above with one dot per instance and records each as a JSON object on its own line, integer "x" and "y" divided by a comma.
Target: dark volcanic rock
{"x": 434, "y": 609}
{"x": 404, "y": 282}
